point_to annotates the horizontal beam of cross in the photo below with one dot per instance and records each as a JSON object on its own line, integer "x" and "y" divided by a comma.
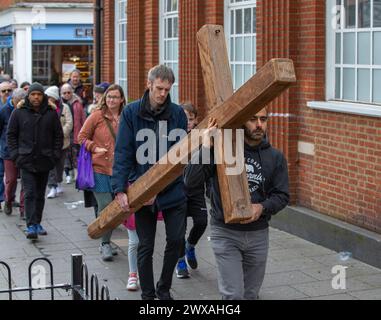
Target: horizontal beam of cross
{"x": 268, "y": 83}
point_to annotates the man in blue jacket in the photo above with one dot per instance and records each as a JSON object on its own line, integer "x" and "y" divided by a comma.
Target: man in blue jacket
{"x": 241, "y": 249}
{"x": 155, "y": 112}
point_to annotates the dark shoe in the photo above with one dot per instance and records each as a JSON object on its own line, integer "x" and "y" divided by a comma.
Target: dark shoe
{"x": 40, "y": 230}
{"x": 182, "y": 270}
{"x": 31, "y": 233}
{"x": 8, "y": 208}
{"x": 15, "y": 204}
{"x": 164, "y": 296}
{"x": 190, "y": 255}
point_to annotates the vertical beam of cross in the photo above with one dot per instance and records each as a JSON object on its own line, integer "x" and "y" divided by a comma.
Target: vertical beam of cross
{"x": 234, "y": 189}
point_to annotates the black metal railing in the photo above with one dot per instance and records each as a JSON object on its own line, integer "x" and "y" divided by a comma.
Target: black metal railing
{"x": 79, "y": 285}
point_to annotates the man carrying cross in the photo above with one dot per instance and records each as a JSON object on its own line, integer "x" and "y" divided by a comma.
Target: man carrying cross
{"x": 230, "y": 110}
{"x": 155, "y": 112}
{"x": 241, "y": 248}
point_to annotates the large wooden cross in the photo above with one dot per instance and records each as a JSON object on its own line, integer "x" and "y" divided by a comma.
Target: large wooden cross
{"x": 230, "y": 110}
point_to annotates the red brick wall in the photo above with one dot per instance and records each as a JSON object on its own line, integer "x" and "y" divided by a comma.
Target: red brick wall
{"x": 191, "y": 87}
{"x": 347, "y": 168}
{"x": 5, "y": 4}
{"x": 108, "y": 42}
{"x": 151, "y": 36}
{"x": 214, "y": 11}
{"x": 277, "y": 39}
{"x": 193, "y": 14}
{"x": 311, "y": 85}
{"x": 135, "y": 48}
{"x": 142, "y": 43}
{"x": 343, "y": 178}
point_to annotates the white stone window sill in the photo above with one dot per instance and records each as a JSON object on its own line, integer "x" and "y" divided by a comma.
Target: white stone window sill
{"x": 371, "y": 110}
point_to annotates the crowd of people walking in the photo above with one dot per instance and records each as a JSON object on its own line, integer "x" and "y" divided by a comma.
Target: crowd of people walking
{"x": 43, "y": 129}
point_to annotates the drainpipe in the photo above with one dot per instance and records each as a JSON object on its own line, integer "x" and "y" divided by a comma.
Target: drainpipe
{"x": 98, "y": 40}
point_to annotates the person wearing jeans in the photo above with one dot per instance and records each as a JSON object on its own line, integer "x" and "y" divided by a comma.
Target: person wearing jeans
{"x": 133, "y": 242}
{"x": 98, "y": 134}
{"x": 66, "y": 119}
{"x": 7, "y": 166}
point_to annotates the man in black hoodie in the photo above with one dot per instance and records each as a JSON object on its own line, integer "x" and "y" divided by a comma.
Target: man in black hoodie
{"x": 241, "y": 249}
{"x": 35, "y": 142}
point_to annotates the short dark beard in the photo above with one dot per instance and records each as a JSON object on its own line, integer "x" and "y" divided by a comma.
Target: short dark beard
{"x": 249, "y": 138}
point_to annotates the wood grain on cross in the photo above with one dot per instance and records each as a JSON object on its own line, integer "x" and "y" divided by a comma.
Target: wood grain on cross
{"x": 234, "y": 189}
{"x": 267, "y": 84}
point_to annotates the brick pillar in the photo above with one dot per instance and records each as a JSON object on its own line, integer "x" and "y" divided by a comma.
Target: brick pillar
{"x": 274, "y": 40}
{"x": 284, "y": 29}
{"x": 108, "y": 42}
{"x": 214, "y": 11}
{"x": 193, "y": 14}
{"x": 151, "y": 36}
{"x": 135, "y": 49}
{"x": 191, "y": 85}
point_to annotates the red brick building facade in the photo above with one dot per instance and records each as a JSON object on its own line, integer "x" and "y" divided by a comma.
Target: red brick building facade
{"x": 332, "y": 141}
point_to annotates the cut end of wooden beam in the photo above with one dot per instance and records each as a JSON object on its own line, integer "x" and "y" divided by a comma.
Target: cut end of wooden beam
{"x": 207, "y": 28}
{"x": 283, "y": 69}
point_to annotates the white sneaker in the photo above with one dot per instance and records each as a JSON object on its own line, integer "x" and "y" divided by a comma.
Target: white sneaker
{"x": 59, "y": 190}
{"x": 52, "y": 193}
{"x": 68, "y": 179}
{"x": 132, "y": 284}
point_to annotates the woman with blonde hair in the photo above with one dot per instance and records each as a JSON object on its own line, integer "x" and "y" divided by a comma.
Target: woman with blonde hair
{"x": 98, "y": 134}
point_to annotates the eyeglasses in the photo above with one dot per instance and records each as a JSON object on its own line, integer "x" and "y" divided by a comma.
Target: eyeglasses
{"x": 6, "y": 90}
{"x": 113, "y": 97}
{"x": 261, "y": 119}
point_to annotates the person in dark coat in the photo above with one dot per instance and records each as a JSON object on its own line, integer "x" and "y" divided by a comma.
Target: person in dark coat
{"x": 156, "y": 113}
{"x": 11, "y": 171}
{"x": 35, "y": 141}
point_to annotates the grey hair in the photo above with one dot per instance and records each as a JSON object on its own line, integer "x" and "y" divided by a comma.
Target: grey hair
{"x": 67, "y": 86}
{"x": 75, "y": 71}
{"x": 4, "y": 83}
{"x": 19, "y": 94}
{"x": 161, "y": 72}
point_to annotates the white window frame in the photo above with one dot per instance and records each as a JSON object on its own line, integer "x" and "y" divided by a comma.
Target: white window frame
{"x": 331, "y": 103}
{"x": 228, "y": 7}
{"x": 118, "y": 22}
{"x": 162, "y": 16}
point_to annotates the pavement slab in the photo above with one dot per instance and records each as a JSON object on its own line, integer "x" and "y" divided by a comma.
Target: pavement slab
{"x": 296, "y": 268}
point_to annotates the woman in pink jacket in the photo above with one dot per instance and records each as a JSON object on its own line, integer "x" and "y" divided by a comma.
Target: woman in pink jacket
{"x": 99, "y": 134}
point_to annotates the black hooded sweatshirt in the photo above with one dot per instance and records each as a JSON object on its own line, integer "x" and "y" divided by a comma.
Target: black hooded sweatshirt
{"x": 267, "y": 174}
{"x": 35, "y": 139}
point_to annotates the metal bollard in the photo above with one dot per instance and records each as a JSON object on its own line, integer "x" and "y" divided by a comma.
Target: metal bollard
{"x": 76, "y": 276}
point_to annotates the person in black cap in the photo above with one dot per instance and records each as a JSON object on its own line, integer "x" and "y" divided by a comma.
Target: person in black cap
{"x": 98, "y": 92}
{"x": 35, "y": 140}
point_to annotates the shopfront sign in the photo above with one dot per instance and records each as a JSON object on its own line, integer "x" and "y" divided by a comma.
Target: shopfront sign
{"x": 6, "y": 41}
{"x": 64, "y": 32}
{"x": 84, "y": 32}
